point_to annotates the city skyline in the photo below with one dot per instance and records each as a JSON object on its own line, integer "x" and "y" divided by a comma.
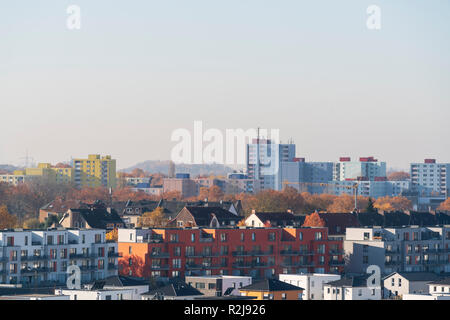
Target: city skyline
{"x": 122, "y": 85}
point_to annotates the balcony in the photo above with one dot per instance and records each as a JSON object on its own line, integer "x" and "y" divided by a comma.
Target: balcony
{"x": 159, "y": 255}
{"x": 79, "y": 256}
{"x": 114, "y": 255}
{"x": 34, "y": 270}
{"x": 289, "y": 252}
{"x": 337, "y": 252}
{"x": 242, "y": 265}
{"x": 112, "y": 266}
{"x": 392, "y": 263}
{"x": 241, "y": 253}
{"x": 88, "y": 268}
{"x": 34, "y": 258}
{"x": 337, "y": 262}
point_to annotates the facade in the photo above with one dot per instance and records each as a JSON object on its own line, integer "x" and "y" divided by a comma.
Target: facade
{"x": 403, "y": 249}
{"x": 95, "y": 171}
{"x": 272, "y": 289}
{"x": 366, "y": 167}
{"x": 96, "y": 294}
{"x": 351, "y": 288}
{"x": 218, "y": 286}
{"x": 311, "y": 282}
{"x": 307, "y": 176}
{"x": 399, "y": 284}
{"x": 264, "y": 162}
{"x": 54, "y": 174}
{"x": 182, "y": 184}
{"x": 255, "y": 252}
{"x": 437, "y": 290}
{"x": 32, "y": 257}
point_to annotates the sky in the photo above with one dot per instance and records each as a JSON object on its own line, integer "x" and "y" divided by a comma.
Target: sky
{"x": 138, "y": 70}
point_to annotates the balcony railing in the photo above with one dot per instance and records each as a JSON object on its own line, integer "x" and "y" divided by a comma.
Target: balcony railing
{"x": 34, "y": 258}
{"x": 289, "y": 252}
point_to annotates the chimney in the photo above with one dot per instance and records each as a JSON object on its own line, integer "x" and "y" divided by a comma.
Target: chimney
{"x": 253, "y": 211}
{"x": 108, "y": 209}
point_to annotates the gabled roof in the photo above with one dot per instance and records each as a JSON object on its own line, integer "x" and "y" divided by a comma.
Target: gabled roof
{"x": 337, "y": 223}
{"x": 119, "y": 282}
{"x": 353, "y": 282}
{"x": 97, "y": 215}
{"x": 175, "y": 289}
{"x": 271, "y": 285}
{"x": 275, "y": 216}
{"x": 443, "y": 282}
{"x": 416, "y": 276}
{"x": 61, "y": 206}
{"x": 203, "y": 215}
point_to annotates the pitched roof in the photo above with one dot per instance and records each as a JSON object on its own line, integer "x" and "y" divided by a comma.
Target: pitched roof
{"x": 119, "y": 281}
{"x": 98, "y": 216}
{"x": 203, "y": 215}
{"x": 275, "y": 216}
{"x": 419, "y": 276}
{"x": 61, "y": 206}
{"x": 175, "y": 289}
{"x": 354, "y": 281}
{"x": 271, "y": 285}
{"x": 445, "y": 281}
{"x": 337, "y": 223}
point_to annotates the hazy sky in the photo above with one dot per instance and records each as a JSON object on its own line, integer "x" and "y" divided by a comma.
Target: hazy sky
{"x": 137, "y": 70}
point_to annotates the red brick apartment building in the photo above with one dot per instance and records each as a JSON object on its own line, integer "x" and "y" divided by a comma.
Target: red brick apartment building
{"x": 256, "y": 252}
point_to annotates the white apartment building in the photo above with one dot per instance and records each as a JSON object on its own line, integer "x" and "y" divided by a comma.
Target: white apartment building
{"x": 430, "y": 178}
{"x": 312, "y": 283}
{"x": 96, "y": 294}
{"x": 367, "y": 167}
{"x": 406, "y": 249}
{"x": 398, "y": 284}
{"x": 351, "y": 288}
{"x": 219, "y": 285}
{"x": 437, "y": 290}
{"x": 33, "y": 257}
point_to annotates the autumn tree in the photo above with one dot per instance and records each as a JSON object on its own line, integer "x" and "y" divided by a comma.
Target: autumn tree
{"x": 153, "y": 219}
{"x": 445, "y": 206}
{"x": 313, "y": 220}
{"x": 398, "y": 176}
{"x": 133, "y": 265}
{"x": 213, "y": 193}
{"x": 393, "y": 204}
{"x": 32, "y": 223}
{"x": 241, "y": 223}
{"x": 113, "y": 235}
{"x": 7, "y": 220}
{"x": 346, "y": 203}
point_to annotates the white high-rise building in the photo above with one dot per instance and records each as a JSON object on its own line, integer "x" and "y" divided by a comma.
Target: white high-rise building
{"x": 366, "y": 168}
{"x": 430, "y": 179}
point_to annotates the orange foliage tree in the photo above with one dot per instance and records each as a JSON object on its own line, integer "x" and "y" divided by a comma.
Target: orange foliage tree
{"x": 346, "y": 203}
{"x": 445, "y": 206}
{"x": 393, "y": 204}
{"x": 398, "y": 175}
{"x": 133, "y": 265}
{"x": 313, "y": 220}
{"x": 213, "y": 193}
{"x": 7, "y": 220}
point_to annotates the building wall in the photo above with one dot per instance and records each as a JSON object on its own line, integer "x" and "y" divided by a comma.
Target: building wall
{"x": 34, "y": 257}
{"x": 275, "y": 295}
{"x": 312, "y": 283}
{"x": 292, "y": 250}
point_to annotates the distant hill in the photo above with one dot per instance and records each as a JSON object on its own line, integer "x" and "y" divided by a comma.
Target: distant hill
{"x": 8, "y": 168}
{"x": 157, "y": 166}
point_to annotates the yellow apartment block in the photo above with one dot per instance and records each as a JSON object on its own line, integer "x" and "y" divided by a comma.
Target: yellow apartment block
{"x": 95, "y": 171}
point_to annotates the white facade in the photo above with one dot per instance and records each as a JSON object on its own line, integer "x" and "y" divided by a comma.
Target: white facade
{"x": 369, "y": 168}
{"x": 312, "y": 283}
{"x": 351, "y": 293}
{"x": 430, "y": 179}
{"x": 397, "y": 284}
{"x": 104, "y": 294}
{"x": 407, "y": 249}
{"x": 42, "y": 256}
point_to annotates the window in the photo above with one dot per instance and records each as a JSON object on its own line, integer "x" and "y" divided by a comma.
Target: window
{"x": 283, "y": 296}
{"x": 223, "y": 237}
{"x": 192, "y": 237}
{"x": 318, "y": 235}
